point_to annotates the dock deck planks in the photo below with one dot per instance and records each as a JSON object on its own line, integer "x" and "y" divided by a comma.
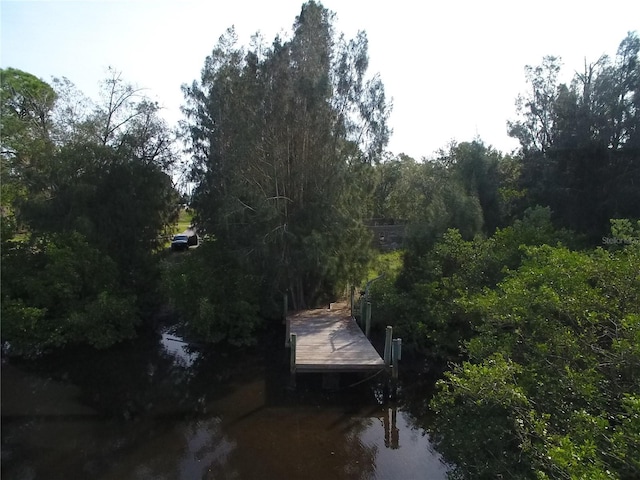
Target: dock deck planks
{"x": 330, "y": 340}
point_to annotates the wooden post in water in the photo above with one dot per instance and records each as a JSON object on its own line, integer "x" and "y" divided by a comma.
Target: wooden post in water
{"x": 287, "y": 332}
{"x": 387, "y": 346}
{"x": 292, "y": 344}
{"x": 367, "y": 323}
{"x": 395, "y": 348}
{"x": 292, "y": 364}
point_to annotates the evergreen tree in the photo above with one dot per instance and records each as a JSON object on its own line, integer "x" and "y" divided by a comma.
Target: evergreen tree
{"x": 278, "y": 138}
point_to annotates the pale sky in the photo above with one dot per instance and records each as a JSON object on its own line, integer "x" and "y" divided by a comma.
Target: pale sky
{"x": 453, "y": 68}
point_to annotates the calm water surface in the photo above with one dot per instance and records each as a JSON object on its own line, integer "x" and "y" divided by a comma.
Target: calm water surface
{"x": 160, "y": 409}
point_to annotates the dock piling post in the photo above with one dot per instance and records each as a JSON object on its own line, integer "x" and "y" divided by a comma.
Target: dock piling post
{"x": 367, "y": 324}
{"x": 292, "y": 364}
{"x": 287, "y": 332}
{"x": 395, "y": 348}
{"x": 387, "y": 346}
{"x": 292, "y": 344}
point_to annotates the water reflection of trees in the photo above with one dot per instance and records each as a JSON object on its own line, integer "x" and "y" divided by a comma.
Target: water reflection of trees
{"x": 246, "y": 436}
{"x": 307, "y": 433}
{"x": 298, "y": 444}
{"x": 154, "y": 416}
{"x": 113, "y": 401}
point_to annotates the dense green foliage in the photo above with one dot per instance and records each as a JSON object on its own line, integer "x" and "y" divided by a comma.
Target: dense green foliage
{"x": 61, "y": 290}
{"x": 543, "y": 345}
{"x": 25, "y": 106}
{"x": 89, "y": 193}
{"x": 422, "y": 301}
{"x": 539, "y": 330}
{"x": 552, "y": 380}
{"x": 215, "y": 298}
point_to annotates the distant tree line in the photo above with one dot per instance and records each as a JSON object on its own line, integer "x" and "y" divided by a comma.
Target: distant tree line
{"x": 580, "y": 142}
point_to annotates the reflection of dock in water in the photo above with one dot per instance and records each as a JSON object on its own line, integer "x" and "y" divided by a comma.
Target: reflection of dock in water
{"x": 391, "y": 431}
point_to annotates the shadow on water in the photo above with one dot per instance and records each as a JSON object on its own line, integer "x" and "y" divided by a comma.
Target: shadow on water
{"x": 159, "y": 408}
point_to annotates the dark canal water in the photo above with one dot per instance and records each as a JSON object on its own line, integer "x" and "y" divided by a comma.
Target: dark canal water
{"x": 158, "y": 408}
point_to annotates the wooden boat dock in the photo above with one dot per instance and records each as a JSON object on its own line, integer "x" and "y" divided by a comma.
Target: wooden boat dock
{"x": 330, "y": 341}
